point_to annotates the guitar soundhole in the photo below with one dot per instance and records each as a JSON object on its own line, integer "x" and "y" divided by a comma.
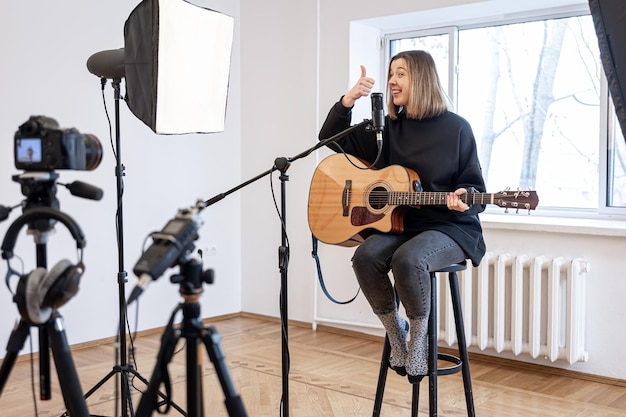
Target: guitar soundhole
{"x": 378, "y": 198}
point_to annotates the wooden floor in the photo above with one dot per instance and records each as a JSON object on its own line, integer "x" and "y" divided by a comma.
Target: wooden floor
{"x": 331, "y": 375}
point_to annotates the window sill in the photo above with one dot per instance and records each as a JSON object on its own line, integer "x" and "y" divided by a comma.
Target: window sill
{"x": 534, "y": 223}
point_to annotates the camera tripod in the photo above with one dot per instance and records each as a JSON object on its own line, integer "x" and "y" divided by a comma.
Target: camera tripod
{"x": 191, "y": 278}
{"x": 51, "y": 337}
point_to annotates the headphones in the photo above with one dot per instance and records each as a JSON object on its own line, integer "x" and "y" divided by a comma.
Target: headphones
{"x": 40, "y": 292}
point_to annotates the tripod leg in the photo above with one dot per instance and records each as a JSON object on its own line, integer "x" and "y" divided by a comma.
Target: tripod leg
{"x": 194, "y": 377}
{"x": 44, "y": 364}
{"x": 148, "y": 402}
{"x": 66, "y": 371}
{"x": 212, "y": 340}
{"x": 15, "y": 344}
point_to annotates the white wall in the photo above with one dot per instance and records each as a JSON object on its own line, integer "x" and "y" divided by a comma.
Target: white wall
{"x": 279, "y": 119}
{"x": 287, "y": 71}
{"x": 290, "y": 63}
{"x": 44, "y": 49}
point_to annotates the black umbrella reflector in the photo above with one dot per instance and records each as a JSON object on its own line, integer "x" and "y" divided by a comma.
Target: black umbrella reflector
{"x": 177, "y": 65}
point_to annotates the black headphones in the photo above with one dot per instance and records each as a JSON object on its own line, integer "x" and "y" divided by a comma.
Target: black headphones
{"x": 39, "y": 292}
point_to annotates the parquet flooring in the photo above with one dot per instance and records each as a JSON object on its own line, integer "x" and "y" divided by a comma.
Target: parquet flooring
{"x": 330, "y": 375}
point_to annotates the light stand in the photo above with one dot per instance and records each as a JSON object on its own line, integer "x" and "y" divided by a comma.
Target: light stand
{"x": 124, "y": 368}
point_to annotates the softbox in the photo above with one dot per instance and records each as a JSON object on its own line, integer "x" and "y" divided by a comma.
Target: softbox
{"x": 609, "y": 18}
{"x": 177, "y": 65}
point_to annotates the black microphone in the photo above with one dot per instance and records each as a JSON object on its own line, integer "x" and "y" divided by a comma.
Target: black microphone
{"x": 169, "y": 246}
{"x": 4, "y": 212}
{"x": 378, "y": 117}
{"x": 107, "y": 64}
{"x": 84, "y": 190}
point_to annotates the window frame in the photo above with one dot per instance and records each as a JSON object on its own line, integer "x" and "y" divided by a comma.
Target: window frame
{"x": 606, "y": 109}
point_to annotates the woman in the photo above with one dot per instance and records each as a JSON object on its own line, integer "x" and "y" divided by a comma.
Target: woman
{"x": 420, "y": 133}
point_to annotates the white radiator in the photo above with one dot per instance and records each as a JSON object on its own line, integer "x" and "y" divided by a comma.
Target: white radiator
{"x": 524, "y": 305}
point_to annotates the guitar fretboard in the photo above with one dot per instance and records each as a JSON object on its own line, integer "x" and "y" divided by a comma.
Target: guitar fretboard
{"x": 436, "y": 198}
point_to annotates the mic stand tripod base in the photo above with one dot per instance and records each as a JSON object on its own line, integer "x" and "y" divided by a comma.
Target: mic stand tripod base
{"x": 193, "y": 331}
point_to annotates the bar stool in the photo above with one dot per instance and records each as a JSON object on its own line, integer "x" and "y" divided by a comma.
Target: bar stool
{"x": 457, "y": 364}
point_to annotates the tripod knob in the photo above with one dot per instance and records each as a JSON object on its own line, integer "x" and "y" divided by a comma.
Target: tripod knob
{"x": 208, "y": 276}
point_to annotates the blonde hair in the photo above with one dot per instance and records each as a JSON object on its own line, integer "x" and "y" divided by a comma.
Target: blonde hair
{"x": 427, "y": 97}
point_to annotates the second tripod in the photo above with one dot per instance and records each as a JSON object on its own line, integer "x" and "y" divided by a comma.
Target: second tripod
{"x": 191, "y": 280}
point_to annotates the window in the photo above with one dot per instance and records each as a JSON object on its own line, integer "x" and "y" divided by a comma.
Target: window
{"x": 532, "y": 91}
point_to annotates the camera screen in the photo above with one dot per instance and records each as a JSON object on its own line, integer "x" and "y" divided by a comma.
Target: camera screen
{"x": 28, "y": 150}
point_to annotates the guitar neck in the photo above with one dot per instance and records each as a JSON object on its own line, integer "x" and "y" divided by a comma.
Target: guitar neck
{"x": 436, "y": 198}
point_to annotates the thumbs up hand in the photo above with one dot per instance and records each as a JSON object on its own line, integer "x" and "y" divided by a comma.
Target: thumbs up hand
{"x": 362, "y": 88}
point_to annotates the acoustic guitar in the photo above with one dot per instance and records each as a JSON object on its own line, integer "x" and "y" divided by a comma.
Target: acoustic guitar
{"x": 346, "y": 200}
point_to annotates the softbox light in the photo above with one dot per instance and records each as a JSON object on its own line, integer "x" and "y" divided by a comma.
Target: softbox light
{"x": 177, "y": 64}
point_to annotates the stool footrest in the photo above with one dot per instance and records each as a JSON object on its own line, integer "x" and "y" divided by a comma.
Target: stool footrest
{"x": 439, "y": 364}
{"x": 449, "y": 370}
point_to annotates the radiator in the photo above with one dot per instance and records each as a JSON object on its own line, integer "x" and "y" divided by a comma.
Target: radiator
{"x": 519, "y": 304}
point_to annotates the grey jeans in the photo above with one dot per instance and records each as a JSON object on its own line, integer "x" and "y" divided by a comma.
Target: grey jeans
{"x": 410, "y": 259}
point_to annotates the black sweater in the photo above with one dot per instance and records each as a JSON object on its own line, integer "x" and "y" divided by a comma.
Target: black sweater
{"x": 442, "y": 150}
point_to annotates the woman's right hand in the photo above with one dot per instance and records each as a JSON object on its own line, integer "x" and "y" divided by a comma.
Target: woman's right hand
{"x": 362, "y": 88}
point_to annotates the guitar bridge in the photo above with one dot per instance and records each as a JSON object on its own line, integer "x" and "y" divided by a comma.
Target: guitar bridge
{"x": 345, "y": 198}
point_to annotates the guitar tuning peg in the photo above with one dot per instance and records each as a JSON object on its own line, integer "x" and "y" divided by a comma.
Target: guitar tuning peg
{"x": 506, "y": 210}
{"x": 516, "y": 211}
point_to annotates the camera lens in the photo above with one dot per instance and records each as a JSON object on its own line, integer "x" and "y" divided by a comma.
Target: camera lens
{"x": 93, "y": 151}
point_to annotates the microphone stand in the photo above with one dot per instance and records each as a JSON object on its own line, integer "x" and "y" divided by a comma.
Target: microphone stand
{"x": 282, "y": 164}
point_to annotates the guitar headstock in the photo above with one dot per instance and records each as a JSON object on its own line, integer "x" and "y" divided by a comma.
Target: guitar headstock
{"x": 518, "y": 199}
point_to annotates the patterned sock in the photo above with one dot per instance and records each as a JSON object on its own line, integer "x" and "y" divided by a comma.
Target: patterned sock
{"x": 417, "y": 360}
{"x": 397, "y": 329}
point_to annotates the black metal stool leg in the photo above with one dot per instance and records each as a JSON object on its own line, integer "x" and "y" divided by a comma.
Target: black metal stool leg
{"x": 382, "y": 378}
{"x": 432, "y": 347}
{"x": 415, "y": 400}
{"x": 460, "y": 336}
{"x": 460, "y": 363}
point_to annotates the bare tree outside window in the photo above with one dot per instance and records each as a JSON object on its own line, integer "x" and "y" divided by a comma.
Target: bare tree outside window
{"x": 531, "y": 92}
{"x": 540, "y": 106}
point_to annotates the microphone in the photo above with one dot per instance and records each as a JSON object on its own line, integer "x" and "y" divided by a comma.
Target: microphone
{"x": 378, "y": 117}
{"x": 4, "y": 212}
{"x": 142, "y": 284}
{"x": 84, "y": 190}
{"x": 169, "y": 247}
{"x": 107, "y": 64}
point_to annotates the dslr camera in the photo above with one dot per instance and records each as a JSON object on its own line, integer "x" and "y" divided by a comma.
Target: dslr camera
{"x": 40, "y": 145}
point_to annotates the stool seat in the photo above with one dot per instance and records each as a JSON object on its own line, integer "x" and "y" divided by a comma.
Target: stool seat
{"x": 461, "y": 266}
{"x": 458, "y": 363}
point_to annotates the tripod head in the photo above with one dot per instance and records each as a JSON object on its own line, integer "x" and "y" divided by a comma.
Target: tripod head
{"x": 191, "y": 278}
{"x": 40, "y": 190}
